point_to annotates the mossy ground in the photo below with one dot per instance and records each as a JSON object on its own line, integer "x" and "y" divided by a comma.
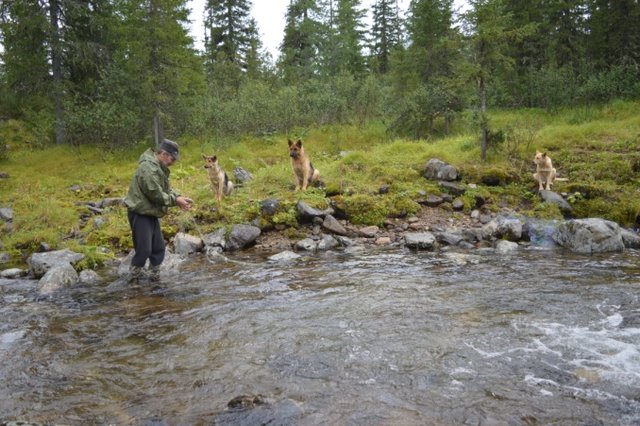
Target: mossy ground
{"x": 595, "y": 148}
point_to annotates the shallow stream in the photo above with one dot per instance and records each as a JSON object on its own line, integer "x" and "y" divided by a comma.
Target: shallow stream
{"x": 386, "y": 337}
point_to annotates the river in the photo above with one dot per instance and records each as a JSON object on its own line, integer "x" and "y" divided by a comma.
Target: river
{"x": 372, "y": 337}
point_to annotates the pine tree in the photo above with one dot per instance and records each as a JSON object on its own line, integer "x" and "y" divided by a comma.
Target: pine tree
{"x": 349, "y": 38}
{"x": 491, "y": 30}
{"x": 25, "y": 34}
{"x": 300, "y": 45}
{"x": 614, "y": 33}
{"x": 385, "y": 34}
{"x": 158, "y": 58}
{"x": 229, "y": 31}
{"x": 430, "y": 32}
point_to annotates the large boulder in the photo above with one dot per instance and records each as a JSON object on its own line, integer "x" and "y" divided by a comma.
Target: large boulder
{"x": 40, "y": 263}
{"x": 439, "y": 170}
{"x": 589, "y": 236}
{"x": 242, "y": 236}
{"x": 185, "y": 244}
{"x": 59, "y": 276}
{"x": 216, "y": 238}
{"x": 509, "y": 228}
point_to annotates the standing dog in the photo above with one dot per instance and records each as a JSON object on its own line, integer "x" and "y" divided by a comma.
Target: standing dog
{"x": 302, "y": 167}
{"x": 545, "y": 173}
{"x": 220, "y": 183}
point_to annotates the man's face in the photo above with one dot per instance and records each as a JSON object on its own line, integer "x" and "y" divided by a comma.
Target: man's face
{"x": 166, "y": 159}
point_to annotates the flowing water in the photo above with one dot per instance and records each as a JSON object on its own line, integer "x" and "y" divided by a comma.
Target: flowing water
{"x": 387, "y": 337}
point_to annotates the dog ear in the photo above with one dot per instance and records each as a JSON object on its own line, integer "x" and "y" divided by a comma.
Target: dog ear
{"x": 299, "y": 143}
{"x": 204, "y": 157}
{"x": 214, "y": 158}
{"x": 544, "y": 154}
{"x": 290, "y": 142}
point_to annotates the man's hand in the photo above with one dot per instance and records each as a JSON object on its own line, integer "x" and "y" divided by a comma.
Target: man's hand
{"x": 184, "y": 203}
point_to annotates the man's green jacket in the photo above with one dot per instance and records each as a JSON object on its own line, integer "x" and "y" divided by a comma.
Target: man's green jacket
{"x": 149, "y": 193}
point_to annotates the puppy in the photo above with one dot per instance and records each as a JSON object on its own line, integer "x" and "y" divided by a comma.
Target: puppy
{"x": 302, "y": 168}
{"x": 220, "y": 183}
{"x": 545, "y": 173}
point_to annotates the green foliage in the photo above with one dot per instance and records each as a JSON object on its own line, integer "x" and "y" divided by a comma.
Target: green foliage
{"x": 547, "y": 211}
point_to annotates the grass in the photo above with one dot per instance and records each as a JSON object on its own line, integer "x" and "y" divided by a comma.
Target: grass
{"x": 595, "y": 148}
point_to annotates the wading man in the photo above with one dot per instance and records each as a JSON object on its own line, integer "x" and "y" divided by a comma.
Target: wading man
{"x": 148, "y": 200}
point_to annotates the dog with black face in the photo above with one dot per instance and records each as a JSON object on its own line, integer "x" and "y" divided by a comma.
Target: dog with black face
{"x": 220, "y": 183}
{"x": 303, "y": 170}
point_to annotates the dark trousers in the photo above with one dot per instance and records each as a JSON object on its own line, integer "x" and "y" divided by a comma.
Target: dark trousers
{"x": 147, "y": 239}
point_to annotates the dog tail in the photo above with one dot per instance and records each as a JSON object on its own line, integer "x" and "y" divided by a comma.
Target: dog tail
{"x": 559, "y": 179}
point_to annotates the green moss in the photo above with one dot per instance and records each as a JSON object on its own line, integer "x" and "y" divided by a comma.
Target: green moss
{"x": 548, "y": 211}
{"x": 365, "y": 209}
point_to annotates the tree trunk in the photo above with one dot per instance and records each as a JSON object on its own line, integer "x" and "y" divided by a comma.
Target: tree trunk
{"x": 483, "y": 117}
{"x": 56, "y": 63}
{"x": 158, "y": 131}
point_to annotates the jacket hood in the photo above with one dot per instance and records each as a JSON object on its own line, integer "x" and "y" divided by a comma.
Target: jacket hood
{"x": 150, "y": 156}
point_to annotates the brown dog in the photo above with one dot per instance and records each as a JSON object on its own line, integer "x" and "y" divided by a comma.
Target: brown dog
{"x": 545, "y": 173}
{"x": 220, "y": 183}
{"x": 302, "y": 167}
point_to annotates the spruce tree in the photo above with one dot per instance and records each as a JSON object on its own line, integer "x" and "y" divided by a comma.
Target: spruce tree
{"x": 229, "y": 31}
{"x": 385, "y": 34}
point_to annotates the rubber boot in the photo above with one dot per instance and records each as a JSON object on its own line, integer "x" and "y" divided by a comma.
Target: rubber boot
{"x": 154, "y": 274}
{"x": 135, "y": 273}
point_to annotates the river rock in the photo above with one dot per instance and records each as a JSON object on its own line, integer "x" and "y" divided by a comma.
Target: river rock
{"x": 506, "y": 247}
{"x": 344, "y": 241}
{"x": 589, "y": 236}
{"x": 242, "y": 236}
{"x": 332, "y": 225}
{"x": 420, "y": 240}
{"x": 433, "y": 200}
{"x": 269, "y": 207}
{"x": 4, "y": 258}
{"x": 327, "y": 243}
{"x": 631, "y": 239}
{"x": 383, "y": 241}
{"x": 216, "y": 238}
{"x": 88, "y": 276}
{"x": 307, "y": 213}
{"x": 185, "y": 244}
{"x": 449, "y": 238}
{"x": 247, "y": 411}
{"x": 285, "y": 256}
{"x": 555, "y": 198}
{"x": 307, "y": 245}
{"x": 457, "y": 205}
{"x": 369, "y": 231}
{"x": 57, "y": 277}
{"x": 509, "y": 228}
{"x": 453, "y": 188}
{"x": 439, "y": 170}
{"x": 13, "y": 273}
{"x": 40, "y": 263}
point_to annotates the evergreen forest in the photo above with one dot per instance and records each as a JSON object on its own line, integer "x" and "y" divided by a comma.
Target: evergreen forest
{"x": 112, "y": 73}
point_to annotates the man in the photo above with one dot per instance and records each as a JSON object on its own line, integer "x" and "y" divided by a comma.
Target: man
{"x": 148, "y": 200}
